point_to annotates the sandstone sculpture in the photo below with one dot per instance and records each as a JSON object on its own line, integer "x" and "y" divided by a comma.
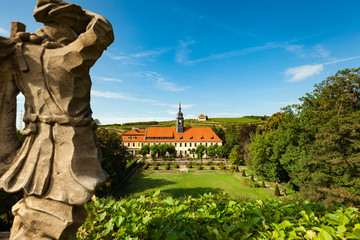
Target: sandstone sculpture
{"x": 58, "y": 166}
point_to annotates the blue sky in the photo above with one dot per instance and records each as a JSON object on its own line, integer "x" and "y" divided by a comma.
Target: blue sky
{"x": 220, "y": 58}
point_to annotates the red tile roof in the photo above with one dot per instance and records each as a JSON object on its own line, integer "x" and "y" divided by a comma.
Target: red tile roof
{"x": 135, "y": 132}
{"x": 190, "y": 134}
{"x": 202, "y": 116}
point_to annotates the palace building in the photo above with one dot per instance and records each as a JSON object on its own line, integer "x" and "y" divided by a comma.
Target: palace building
{"x": 183, "y": 138}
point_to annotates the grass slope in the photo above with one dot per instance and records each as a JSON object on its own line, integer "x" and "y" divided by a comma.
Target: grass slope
{"x": 193, "y": 183}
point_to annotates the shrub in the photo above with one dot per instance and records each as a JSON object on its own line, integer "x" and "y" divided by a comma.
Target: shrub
{"x": 146, "y": 166}
{"x": 188, "y": 165}
{"x": 207, "y": 164}
{"x": 233, "y": 219}
{"x": 236, "y": 168}
{"x": 155, "y": 167}
{"x": 232, "y": 168}
{"x": 176, "y": 165}
{"x": 199, "y": 167}
{"x": 243, "y": 173}
{"x": 252, "y": 178}
{"x": 277, "y": 191}
{"x": 157, "y": 164}
{"x": 167, "y": 167}
{"x": 212, "y": 167}
{"x": 263, "y": 184}
{"x": 218, "y": 164}
{"x": 252, "y": 184}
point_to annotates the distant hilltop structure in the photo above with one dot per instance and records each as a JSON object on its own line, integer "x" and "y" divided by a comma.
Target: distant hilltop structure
{"x": 182, "y": 138}
{"x": 202, "y": 117}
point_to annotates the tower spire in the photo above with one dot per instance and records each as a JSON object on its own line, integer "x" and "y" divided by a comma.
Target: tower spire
{"x": 180, "y": 121}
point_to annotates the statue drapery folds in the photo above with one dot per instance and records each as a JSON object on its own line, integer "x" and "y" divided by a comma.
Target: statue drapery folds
{"x": 58, "y": 164}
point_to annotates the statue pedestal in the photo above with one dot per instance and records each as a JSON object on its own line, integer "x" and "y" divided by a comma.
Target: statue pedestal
{"x": 4, "y": 235}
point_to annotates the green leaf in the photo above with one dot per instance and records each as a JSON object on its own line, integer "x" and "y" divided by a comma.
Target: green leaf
{"x": 146, "y": 219}
{"x": 119, "y": 220}
{"x": 228, "y": 228}
{"x": 324, "y": 235}
{"x": 169, "y": 201}
{"x": 310, "y": 234}
{"x": 285, "y": 224}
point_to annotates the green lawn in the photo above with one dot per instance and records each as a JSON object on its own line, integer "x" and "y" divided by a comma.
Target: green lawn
{"x": 193, "y": 183}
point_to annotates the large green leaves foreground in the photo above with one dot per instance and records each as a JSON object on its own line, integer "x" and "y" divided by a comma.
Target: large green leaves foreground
{"x": 216, "y": 217}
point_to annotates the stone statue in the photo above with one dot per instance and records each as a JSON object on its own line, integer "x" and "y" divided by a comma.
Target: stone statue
{"x": 58, "y": 166}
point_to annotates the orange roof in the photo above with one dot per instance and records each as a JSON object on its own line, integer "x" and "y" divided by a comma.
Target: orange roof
{"x": 138, "y": 134}
{"x": 190, "y": 134}
{"x": 135, "y": 132}
{"x": 160, "y": 132}
{"x": 201, "y": 116}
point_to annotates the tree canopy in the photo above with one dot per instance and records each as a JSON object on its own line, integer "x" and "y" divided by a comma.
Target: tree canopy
{"x": 316, "y": 144}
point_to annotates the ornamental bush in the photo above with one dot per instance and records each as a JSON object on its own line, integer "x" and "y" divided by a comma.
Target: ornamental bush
{"x": 176, "y": 165}
{"x": 212, "y": 167}
{"x": 277, "y": 191}
{"x": 199, "y": 167}
{"x": 188, "y": 165}
{"x": 215, "y": 216}
{"x": 146, "y": 166}
{"x": 155, "y": 167}
{"x": 167, "y": 167}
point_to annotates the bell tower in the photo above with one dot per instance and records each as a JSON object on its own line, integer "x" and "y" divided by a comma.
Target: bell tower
{"x": 180, "y": 121}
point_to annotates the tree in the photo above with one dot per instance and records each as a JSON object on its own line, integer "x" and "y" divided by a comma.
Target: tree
{"x": 315, "y": 145}
{"x": 97, "y": 122}
{"x": 219, "y": 131}
{"x": 200, "y": 150}
{"x": 222, "y": 152}
{"x": 154, "y": 149}
{"x": 234, "y": 156}
{"x": 163, "y": 149}
{"x": 211, "y": 150}
{"x": 193, "y": 151}
{"x": 171, "y": 149}
{"x": 114, "y": 158}
{"x": 231, "y": 136}
{"x": 145, "y": 149}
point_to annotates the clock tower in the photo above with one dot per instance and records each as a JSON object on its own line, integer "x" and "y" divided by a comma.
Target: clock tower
{"x": 180, "y": 121}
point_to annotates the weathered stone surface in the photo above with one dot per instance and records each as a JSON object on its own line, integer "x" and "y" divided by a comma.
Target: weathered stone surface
{"x": 57, "y": 167}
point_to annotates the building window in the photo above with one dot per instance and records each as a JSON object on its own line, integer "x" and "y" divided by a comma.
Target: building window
{"x": 180, "y": 144}
{"x": 185, "y": 152}
{"x": 133, "y": 144}
{"x": 194, "y": 144}
{"x": 211, "y": 144}
{"x": 205, "y": 144}
{"x": 189, "y": 144}
{"x": 134, "y": 137}
{"x": 185, "y": 146}
{"x": 128, "y": 144}
{"x": 129, "y": 137}
{"x": 175, "y": 144}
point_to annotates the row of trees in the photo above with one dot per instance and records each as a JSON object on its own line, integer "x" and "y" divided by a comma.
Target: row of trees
{"x": 167, "y": 149}
{"x": 316, "y": 145}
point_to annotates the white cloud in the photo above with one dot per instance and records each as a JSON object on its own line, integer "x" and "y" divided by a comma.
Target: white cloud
{"x": 106, "y": 79}
{"x": 160, "y": 82}
{"x": 111, "y": 120}
{"x": 297, "y": 49}
{"x": 135, "y": 58}
{"x": 4, "y": 32}
{"x": 319, "y": 51}
{"x": 300, "y": 73}
{"x": 118, "y": 95}
{"x": 297, "y": 74}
